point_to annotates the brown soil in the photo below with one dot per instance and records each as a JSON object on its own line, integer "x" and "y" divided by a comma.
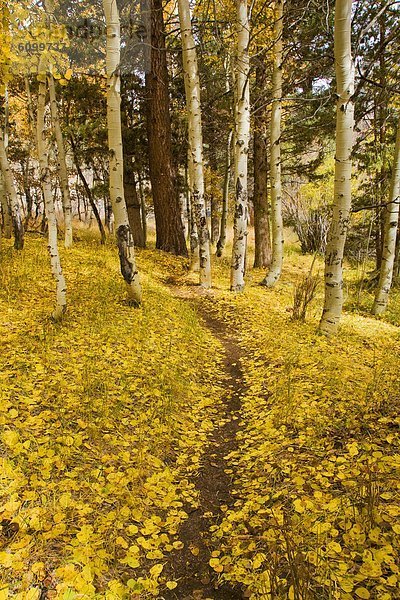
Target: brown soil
{"x": 196, "y": 579}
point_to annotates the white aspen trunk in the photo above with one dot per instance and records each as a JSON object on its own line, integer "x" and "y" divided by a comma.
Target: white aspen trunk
{"x": 123, "y": 231}
{"x": 275, "y": 270}
{"x": 333, "y": 303}
{"x": 390, "y": 235}
{"x": 42, "y": 150}
{"x": 193, "y": 104}
{"x": 225, "y": 198}
{"x": 62, "y": 164}
{"x": 242, "y": 116}
{"x": 11, "y": 192}
{"x": 194, "y": 266}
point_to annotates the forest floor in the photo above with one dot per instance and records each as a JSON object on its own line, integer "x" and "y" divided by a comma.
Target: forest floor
{"x": 203, "y": 446}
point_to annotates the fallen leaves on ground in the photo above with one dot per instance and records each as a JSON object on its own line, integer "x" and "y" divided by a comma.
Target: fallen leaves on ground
{"x": 103, "y": 423}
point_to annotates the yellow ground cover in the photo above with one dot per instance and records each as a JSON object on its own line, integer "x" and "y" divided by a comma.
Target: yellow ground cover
{"x": 103, "y": 420}
{"x": 316, "y": 473}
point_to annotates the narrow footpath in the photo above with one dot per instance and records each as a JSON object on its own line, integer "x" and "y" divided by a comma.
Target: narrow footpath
{"x": 191, "y": 569}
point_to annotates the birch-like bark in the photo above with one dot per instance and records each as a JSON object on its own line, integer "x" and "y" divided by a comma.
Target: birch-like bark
{"x": 344, "y": 66}
{"x": 194, "y": 266}
{"x": 124, "y": 235}
{"x": 390, "y": 236}
{"x": 193, "y": 104}
{"x": 11, "y": 192}
{"x": 42, "y": 150}
{"x": 242, "y": 114}
{"x": 62, "y": 164}
{"x": 275, "y": 270}
{"x": 225, "y": 197}
{"x": 32, "y": 135}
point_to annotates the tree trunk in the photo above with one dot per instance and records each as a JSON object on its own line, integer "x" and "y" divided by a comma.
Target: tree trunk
{"x": 390, "y": 236}
{"x": 123, "y": 230}
{"x": 262, "y": 246}
{"x": 170, "y": 235}
{"x": 11, "y": 192}
{"x": 333, "y": 303}
{"x": 133, "y": 206}
{"x": 192, "y": 224}
{"x": 28, "y": 194}
{"x": 225, "y": 197}
{"x": 275, "y": 152}
{"x": 42, "y": 149}
{"x": 61, "y": 164}
{"x": 214, "y": 199}
{"x": 5, "y": 209}
{"x": 262, "y": 241}
{"x": 88, "y": 193}
{"x": 32, "y": 134}
{"x": 214, "y": 207}
{"x": 143, "y": 209}
{"x": 242, "y": 113}
{"x": 192, "y": 89}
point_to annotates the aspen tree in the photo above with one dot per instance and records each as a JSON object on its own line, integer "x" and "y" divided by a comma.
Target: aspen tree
{"x": 242, "y": 117}
{"x": 123, "y": 231}
{"x": 389, "y": 237}
{"x": 228, "y": 168}
{"x": 344, "y": 67}
{"x": 225, "y": 197}
{"x": 275, "y": 270}
{"x": 194, "y": 266}
{"x": 62, "y": 164}
{"x": 61, "y": 155}
{"x": 193, "y": 104}
{"x": 11, "y": 192}
{"x": 42, "y": 150}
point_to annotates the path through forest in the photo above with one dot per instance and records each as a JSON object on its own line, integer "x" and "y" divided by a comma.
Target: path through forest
{"x": 191, "y": 569}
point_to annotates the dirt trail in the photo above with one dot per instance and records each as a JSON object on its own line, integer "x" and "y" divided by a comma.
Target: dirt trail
{"x": 196, "y": 579}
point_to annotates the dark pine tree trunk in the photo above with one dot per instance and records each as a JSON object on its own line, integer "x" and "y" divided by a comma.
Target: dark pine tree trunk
{"x": 169, "y": 229}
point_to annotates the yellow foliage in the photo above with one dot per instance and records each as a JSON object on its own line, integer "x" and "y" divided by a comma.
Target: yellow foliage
{"x": 316, "y": 470}
{"x": 103, "y": 422}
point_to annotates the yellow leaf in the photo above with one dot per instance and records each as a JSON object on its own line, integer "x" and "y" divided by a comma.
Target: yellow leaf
{"x": 353, "y": 451}
{"x": 4, "y": 593}
{"x": 32, "y": 594}
{"x": 171, "y": 585}
{"x": 298, "y": 506}
{"x": 334, "y": 547}
{"x": 121, "y": 542}
{"x": 216, "y": 565}
{"x": 132, "y": 529}
{"x": 10, "y": 438}
{"x": 85, "y": 534}
{"x": 396, "y": 528}
{"x": 362, "y": 592}
{"x": 156, "y": 570}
